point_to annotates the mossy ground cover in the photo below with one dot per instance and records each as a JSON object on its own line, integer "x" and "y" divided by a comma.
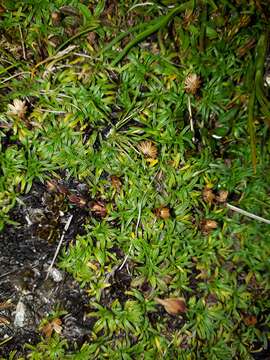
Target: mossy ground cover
{"x": 137, "y": 122}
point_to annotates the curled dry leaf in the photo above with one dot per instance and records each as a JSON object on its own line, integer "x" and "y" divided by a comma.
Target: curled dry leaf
{"x": 208, "y": 225}
{"x": 192, "y": 83}
{"x": 148, "y": 149}
{"x": 222, "y": 196}
{"x": 54, "y": 325}
{"x": 163, "y": 213}
{"x": 173, "y": 306}
{"x": 208, "y": 195}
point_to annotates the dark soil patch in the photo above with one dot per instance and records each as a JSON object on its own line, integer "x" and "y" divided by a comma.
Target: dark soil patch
{"x": 26, "y": 251}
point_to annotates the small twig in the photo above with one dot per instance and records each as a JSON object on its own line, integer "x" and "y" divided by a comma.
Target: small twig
{"x": 191, "y": 120}
{"x": 136, "y": 234}
{"x": 59, "y": 245}
{"x": 248, "y": 214}
{"x": 23, "y": 47}
{"x": 15, "y": 75}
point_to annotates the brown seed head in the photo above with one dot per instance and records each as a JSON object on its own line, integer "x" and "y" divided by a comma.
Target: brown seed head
{"x": 77, "y": 200}
{"x": 116, "y": 182}
{"x": 208, "y": 195}
{"x": 163, "y": 213}
{"x": 222, "y": 196}
{"x": 148, "y": 149}
{"x": 56, "y": 18}
{"x": 192, "y": 83}
{"x": 208, "y": 225}
{"x": 99, "y": 209}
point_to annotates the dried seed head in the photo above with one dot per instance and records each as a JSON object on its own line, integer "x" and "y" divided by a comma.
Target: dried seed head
{"x": 208, "y": 225}
{"x": 18, "y": 108}
{"x": 99, "y": 209}
{"x": 116, "y": 182}
{"x": 163, "y": 213}
{"x": 190, "y": 17}
{"x": 222, "y": 196}
{"x": 192, "y": 83}
{"x": 208, "y": 195}
{"x": 77, "y": 200}
{"x": 51, "y": 185}
{"x": 56, "y": 18}
{"x": 250, "y": 320}
{"x": 173, "y": 306}
{"x": 148, "y": 149}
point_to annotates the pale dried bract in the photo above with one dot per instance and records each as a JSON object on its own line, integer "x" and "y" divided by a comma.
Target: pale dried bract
{"x": 18, "y": 108}
{"x": 148, "y": 148}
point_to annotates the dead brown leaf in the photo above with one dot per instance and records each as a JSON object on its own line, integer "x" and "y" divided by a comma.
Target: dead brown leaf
{"x": 173, "y": 306}
{"x": 4, "y": 320}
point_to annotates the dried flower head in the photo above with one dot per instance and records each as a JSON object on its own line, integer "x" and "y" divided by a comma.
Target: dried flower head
{"x": 148, "y": 148}
{"x": 190, "y": 17}
{"x": 77, "y": 200}
{"x": 162, "y": 212}
{"x": 18, "y": 108}
{"x": 192, "y": 83}
{"x": 99, "y": 209}
{"x": 208, "y": 225}
{"x": 173, "y": 306}
{"x": 116, "y": 182}
{"x": 208, "y": 195}
{"x": 222, "y": 196}
{"x": 56, "y": 18}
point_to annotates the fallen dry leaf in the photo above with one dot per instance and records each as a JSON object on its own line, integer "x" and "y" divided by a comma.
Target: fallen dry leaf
{"x": 4, "y": 320}
{"x": 173, "y": 306}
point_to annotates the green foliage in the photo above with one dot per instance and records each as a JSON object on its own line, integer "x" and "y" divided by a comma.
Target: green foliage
{"x": 88, "y": 108}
